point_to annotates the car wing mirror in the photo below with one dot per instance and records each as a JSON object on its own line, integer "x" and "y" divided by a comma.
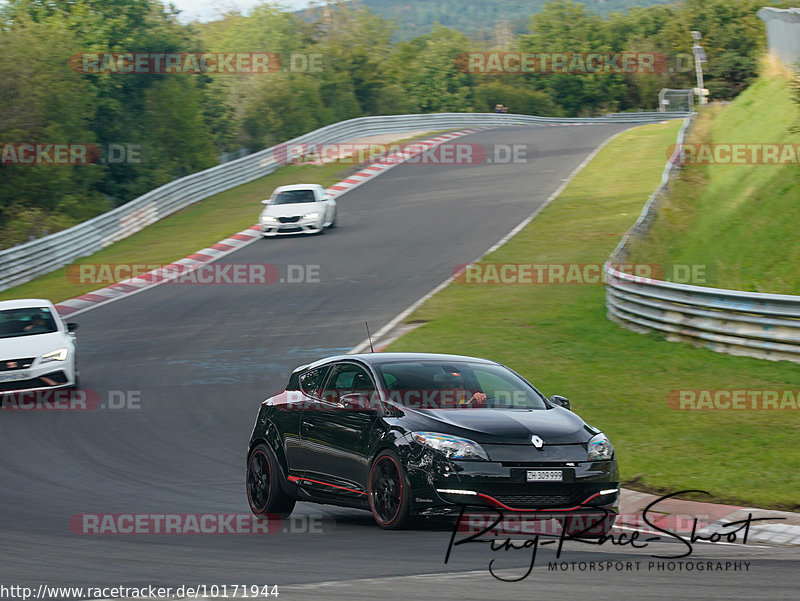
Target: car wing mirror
{"x": 561, "y": 401}
{"x": 266, "y": 201}
{"x": 356, "y": 402}
{"x": 72, "y": 326}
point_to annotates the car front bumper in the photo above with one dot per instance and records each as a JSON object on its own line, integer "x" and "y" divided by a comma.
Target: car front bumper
{"x": 47, "y": 376}
{"x": 440, "y": 487}
{"x": 286, "y": 229}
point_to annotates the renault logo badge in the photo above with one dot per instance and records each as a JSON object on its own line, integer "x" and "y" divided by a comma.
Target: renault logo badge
{"x": 537, "y": 442}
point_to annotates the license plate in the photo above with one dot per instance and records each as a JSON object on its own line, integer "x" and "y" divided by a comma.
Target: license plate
{"x": 545, "y": 475}
{"x": 13, "y": 377}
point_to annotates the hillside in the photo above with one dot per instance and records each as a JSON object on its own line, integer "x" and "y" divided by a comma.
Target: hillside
{"x": 476, "y": 18}
{"x": 738, "y": 220}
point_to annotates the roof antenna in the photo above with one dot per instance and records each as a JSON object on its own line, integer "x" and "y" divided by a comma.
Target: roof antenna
{"x": 369, "y": 336}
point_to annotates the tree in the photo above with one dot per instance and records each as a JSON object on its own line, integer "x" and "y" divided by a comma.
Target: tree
{"x": 432, "y": 78}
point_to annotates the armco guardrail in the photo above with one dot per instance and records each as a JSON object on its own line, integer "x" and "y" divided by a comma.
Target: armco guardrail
{"x": 22, "y": 263}
{"x": 766, "y": 326}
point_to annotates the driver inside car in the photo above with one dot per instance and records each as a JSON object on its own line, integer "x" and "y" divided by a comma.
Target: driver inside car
{"x": 37, "y": 325}
{"x": 460, "y": 396}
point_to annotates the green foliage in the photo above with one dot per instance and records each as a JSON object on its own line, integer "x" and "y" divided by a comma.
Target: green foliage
{"x": 339, "y": 61}
{"x": 740, "y": 221}
{"x": 518, "y": 99}
{"x": 45, "y": 101}
{"x": 286, "y": 107}
{"x": 432, "y": 79}
{"x": 475, "y": 18}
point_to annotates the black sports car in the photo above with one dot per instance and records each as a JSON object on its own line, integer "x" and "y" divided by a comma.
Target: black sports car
{"x": 412, "y": 434}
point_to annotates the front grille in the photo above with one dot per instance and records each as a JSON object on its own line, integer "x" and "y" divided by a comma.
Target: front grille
{"x": 538, "y": 464}
{"x": 525, "y": 501}
{"x": 289, "y": 219}
{"x": 6, "y": 364}
{"x": 59, "y": 377}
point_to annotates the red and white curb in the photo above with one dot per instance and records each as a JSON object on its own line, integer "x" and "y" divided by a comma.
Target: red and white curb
{"x": 208, "y": 255}
{"x": 158, "y": 276}
{"x": 770, "y": 527}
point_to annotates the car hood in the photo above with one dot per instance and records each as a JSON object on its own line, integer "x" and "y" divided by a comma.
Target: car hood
{"x": 31, "y": 346}
{"x": 291, "y": 210}
{"x": 505, "y": 426}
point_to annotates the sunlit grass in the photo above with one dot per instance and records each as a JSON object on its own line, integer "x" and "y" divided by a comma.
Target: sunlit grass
{"x": 560, "y": 338}
{"x": 740, "y": 221}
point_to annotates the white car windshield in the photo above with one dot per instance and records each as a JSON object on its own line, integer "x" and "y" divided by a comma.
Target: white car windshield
{"x": 27, "y": 321}
{"x": 290, "y": 197}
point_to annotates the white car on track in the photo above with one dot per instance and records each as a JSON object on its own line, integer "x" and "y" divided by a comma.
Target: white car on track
{"x": 298, "y": 209}
{"x": 37, "y": 349}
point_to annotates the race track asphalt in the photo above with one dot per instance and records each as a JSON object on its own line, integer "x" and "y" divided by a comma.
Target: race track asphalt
{"x": 198, "y": 359}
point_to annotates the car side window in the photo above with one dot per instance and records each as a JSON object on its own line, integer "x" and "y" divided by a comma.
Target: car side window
{"x": 311, "y": 381}
{"x": 347, "y": 378}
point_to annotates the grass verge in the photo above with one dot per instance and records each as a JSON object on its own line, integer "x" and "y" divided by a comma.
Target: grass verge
{"x": 738, "y": 221}
{"x": 560, "y": 338}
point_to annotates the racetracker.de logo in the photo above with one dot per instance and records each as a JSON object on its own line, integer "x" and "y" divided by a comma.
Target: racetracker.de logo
{"x": 448, "y": 396}
{"x": 28, "y": 153}
{"x": 550, "y": 273}
{"x": 70, "y": 400}
{"x": 734, "y": 154}
{"x": 172, "y": 523}
{"x": 561, "y": 62}
{"x": 733, "y": 400}
{"x": 236, "y": 274}
{"x": 61, "y": 153}
{"x": 419, "y": 153}
{"x": 541, "y": 524}
{"x": 161, "y": 63}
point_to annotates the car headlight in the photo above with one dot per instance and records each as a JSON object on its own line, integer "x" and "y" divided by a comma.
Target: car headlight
{"x": 58, "y": 355}
{"x": 452, "y": 446}
{"x": 268, "y": 219}
{"x": 600, "y": 448}
{"x": 311, "y": 215}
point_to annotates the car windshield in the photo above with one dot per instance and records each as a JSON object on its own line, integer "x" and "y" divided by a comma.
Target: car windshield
{"x": 457, "y": 384}
{"x": 26, "y": 322}
{"x": 290, "y": 197}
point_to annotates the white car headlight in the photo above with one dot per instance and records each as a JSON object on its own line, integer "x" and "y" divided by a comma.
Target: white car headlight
{"x": 600, "y": 448}
{"x": 268, "y": 219}
{"x": 311, "y": 215}
{"x": 57, "y": 355}
{"x": 452, "y": 446}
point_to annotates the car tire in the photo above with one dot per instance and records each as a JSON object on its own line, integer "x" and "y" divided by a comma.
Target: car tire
{"x": 388, "y": 492}
{"x": 264, "y": 492}
{"x": 333, "y": 223}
